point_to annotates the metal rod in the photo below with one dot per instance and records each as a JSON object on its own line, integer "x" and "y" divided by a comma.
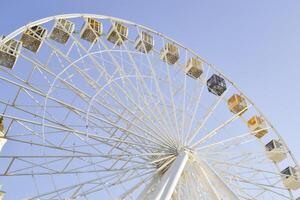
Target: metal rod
{"x": 165, "y": 187}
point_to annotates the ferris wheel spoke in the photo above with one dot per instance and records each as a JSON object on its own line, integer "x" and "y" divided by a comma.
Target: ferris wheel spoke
{"x": 120, "y": 182}
{"x": 104, "y": 140}
{"x": 56, "y": 172}
{"x": 249, "y": 181}
{"x": 123, "y": 105}
{"x": 129, "y": 53}
{"x": 227, "y": 143}
{"x": 100, "y": 181}
{"x": 141, "y": 78}
{"x": 76, "y": 188}
{"x": 154, "y": 134}
{"x": 95, "y": 61}
{"x": 261, "y": 187}
{"x": 160, "y": 94}
{"x": 33, "y": 133}
{"x": 217, "y": 129}
{"x": 266, "y": 190}
{"x": 138, "y": 72}
{"x": 196, "y": 106}
{"x": 92, "y": 136}
{"x": 112, "y": 156}
{"x": 183, "y": 137}
{"x": 34, "y": 161}
{"x": 238, "y": 165}
{"x": 77, "y": 88}
{"x": 138, "y": 185}
{"x": 74, "y": 170}
{"x": 173, "y": 107}
{"x": 207, "y": 115}
{"x": 175, "y": 118}
{"x": 133, "y": 139}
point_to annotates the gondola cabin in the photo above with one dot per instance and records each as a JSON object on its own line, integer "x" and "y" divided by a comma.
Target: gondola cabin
{"x": 33, "y": 37}
{"x": 216, "y": 85}
{"x": 237, "y": 104}
{"x": 9, "y": 52}
{"x": 2, "y": 194}
{"x": 118, "y": 33}
{"x": 169, "y": 53}
{"x": 2, "y": 134}
{"x": 62, "y": 30}
{"x": 194, "y": 68}
{"x": 258, "y": 126}
{"x": 291, "y": 178}
{"x": 91, "y": 30}
{"x": 275, "y": 151}
{"x": 144, "y": 42}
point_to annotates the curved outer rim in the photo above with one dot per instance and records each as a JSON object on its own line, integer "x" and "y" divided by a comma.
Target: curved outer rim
{"x": 78, "y": 15}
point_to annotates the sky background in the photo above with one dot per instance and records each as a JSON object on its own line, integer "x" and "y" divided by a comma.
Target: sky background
{"x": 255, "y": 43}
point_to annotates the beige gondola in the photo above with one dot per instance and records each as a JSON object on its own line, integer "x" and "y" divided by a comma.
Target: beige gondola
{"x": 33, "y": 37}
{"x": 9, "y": 52}
{"x": 275, "y": 151}
{"x": 62, "y": 30}
{"x": 290, "y": 177}
{"x": 170, "y": 53}
{"x": 237, "y": 104}
{"x": 118, "y": 33}
{"x": 194, "y": 68}
{"x": 144, "y": 42}
{"x": 258, "y": 126}
{"x": 91, "y": 30}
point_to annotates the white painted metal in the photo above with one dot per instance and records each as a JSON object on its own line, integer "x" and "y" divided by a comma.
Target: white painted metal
{"x": 162, "y": 188}
{"x": 130, "y": 116}
{"x": 2, "y": 140}
{"x": 223, "y": 191}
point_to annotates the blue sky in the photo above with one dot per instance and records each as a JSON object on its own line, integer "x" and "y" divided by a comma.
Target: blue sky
{"x": 256, "y": 43}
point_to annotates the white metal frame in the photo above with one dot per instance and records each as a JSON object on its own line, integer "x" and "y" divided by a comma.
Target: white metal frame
{"x": 148, "y": 132}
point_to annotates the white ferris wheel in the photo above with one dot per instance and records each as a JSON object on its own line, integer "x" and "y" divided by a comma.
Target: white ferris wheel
{"x": 96, "y": 107}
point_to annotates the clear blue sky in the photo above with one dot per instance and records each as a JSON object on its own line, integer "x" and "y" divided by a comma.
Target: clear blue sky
{"x": 256, "y": 43}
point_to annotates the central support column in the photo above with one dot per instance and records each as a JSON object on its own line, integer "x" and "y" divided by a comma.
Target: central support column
{"x": 163, "y": 189}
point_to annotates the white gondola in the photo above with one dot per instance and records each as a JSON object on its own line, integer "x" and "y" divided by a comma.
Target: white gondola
{"x": 194, "y": 68}
{"x": 291, "y": 179}
{"x": 144, "y": 42}
{"x": 2, "y": 194}
{"x": 62, "y": 30}
{"x": 275, "y": 151}
{"x": 117, "y": 34}
{"x": 170, "y": 53}
{"x": 33, "y": 37}
{"x": 2, "y": 134}
{"x": 9, "y": 52}
{"x": 91, "y": 30}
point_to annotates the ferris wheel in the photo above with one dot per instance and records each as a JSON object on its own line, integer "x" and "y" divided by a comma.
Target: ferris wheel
{"x": 96, "y": 107}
